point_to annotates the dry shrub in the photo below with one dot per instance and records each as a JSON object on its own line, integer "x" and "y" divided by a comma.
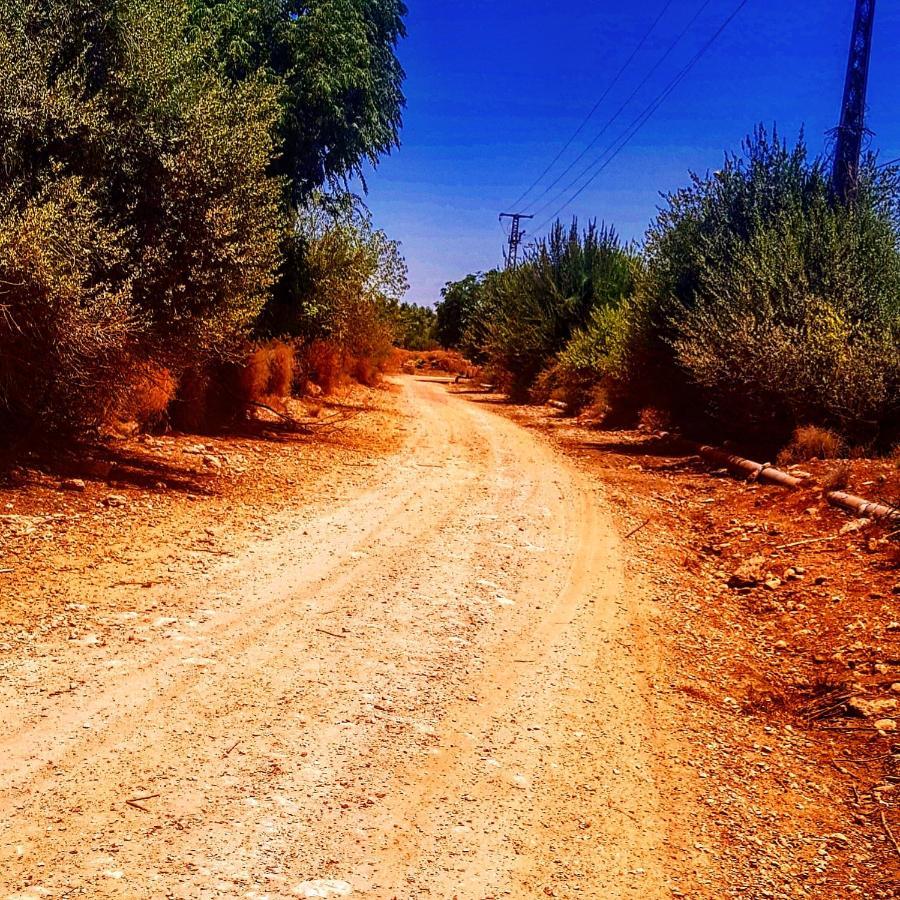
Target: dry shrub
{"x": 397, "y": 361}
{"x": 268, "y": 371}
{"x": 654, "y": 420}
{"x": 598, "y": 406}
{"x": 838, "y": 477}
{"x": 146, "y": 398}
{"x": 281, "y": 370}
{"x": 448, "y": 362}
{"x": 321, "y": 364}
{"x": 811, "y": 442}
{"x": 189, "y": 410}
{"x": 364, "y": 370}
{"x": 824, "y": 697}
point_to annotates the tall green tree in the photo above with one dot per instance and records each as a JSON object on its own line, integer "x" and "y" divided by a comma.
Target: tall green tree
{"x": 137, "y": 209}
{"x": 459, "y": 301}
{"x": 335, "y": 67}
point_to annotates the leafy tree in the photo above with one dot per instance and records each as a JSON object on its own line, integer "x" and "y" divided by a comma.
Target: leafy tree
{"x": 459, "y": 300}
{"x": 414, "y": 327}
{"x": 348, "y": 278}
{"x": 155, "y": 171}
{"x": 770, "y": 304}
{"x": 334, "y": 65}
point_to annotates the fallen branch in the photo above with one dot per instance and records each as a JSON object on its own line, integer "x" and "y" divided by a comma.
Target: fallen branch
{"x": 330, "y": 633}
{"x": 136, "y": 802}
{"x": 271, "y": 409}
{"x": 634, "y": 531}
{"x": 889, "y": 833}
{"x": 815, "y": 540}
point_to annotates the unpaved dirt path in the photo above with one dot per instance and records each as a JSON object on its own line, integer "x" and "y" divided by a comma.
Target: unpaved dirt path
{"x": 433, "y": 690}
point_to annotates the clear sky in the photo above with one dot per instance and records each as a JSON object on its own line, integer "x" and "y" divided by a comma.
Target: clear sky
{"x": 495, "y": 88}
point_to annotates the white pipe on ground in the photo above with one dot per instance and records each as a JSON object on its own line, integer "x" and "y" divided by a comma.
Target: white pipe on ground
{"x": 865, "y": 509}
{"x": 752, "y": 469}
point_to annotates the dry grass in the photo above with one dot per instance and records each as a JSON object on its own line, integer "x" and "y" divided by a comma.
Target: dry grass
{"x": 825, "y": 697}
{"x": 448, "y": 362}
{"x": 365, "y": 371}
{"x": 147, "y": 396}
{"x": 321, "y": 364}
{"x": 653, "y": 420}
{"x": 267, "y": 372}
{"x": 811, "y": 442}
{"x": 838, "y": 477}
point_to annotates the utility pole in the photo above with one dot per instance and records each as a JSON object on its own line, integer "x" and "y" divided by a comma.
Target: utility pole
{"x": 515, "y": 237}
{"x": 853, "y": 112}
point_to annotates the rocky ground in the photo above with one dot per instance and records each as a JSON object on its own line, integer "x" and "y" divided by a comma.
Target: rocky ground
{"x": 414, "y": 651}
{"x": 784, "y": 635}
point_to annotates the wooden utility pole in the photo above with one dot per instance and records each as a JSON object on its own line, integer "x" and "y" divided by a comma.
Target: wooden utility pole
{"x": 515, "y": 237}
{"x": 850, "y": 132}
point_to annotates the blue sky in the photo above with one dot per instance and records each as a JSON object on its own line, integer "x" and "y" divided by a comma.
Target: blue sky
{"x": 495, "y": 89}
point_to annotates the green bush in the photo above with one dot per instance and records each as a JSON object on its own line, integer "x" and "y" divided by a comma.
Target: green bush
{"x": 136, "y": 208}
{"x": 771, "y": 305}
{"x": 347, "y": 278}
{"x": 522, "y": 318}
{"x": 414, "y": 327}
{"x": 67, "y": 325}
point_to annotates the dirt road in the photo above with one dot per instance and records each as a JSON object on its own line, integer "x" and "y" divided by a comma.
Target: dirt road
{"x": 434, "y": 689}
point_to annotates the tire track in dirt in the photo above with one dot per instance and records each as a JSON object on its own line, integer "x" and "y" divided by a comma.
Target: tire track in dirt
{"x": 430, "y": 691}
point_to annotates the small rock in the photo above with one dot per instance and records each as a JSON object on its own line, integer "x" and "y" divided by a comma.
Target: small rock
{"x": 73, "y": 484}
{"x": 780, "y": 645}
{"x": 323, "y": 887}
{"x": 749, "y": 573}
{"x": 116, "y": 500}
{"x": 212, "y": 462}
{"x": 97, "y": 468}
{"x": 870, "y": 709}
{"x": 895, "y": 687}
{"x": 886, "y": 725}
{"x": 772, "y": 584}
{"x": 855, "y": 525}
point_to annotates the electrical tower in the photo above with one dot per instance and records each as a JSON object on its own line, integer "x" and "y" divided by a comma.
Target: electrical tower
{"x": 853, "y": 113}
{"x": 515, "y": 237}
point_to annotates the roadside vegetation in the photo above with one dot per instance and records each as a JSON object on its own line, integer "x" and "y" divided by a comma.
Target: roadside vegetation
{"x": 757, "y": 305}
{"x": 177, "y": 232}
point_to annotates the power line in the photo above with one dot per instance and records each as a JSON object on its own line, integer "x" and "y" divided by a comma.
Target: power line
{"x": 619, "y": 111}
{"x": 639, "y": 121}
{"x": 596, "y": 106}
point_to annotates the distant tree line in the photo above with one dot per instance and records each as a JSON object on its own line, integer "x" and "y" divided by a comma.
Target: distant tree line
{"x": 756, "y": 304}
